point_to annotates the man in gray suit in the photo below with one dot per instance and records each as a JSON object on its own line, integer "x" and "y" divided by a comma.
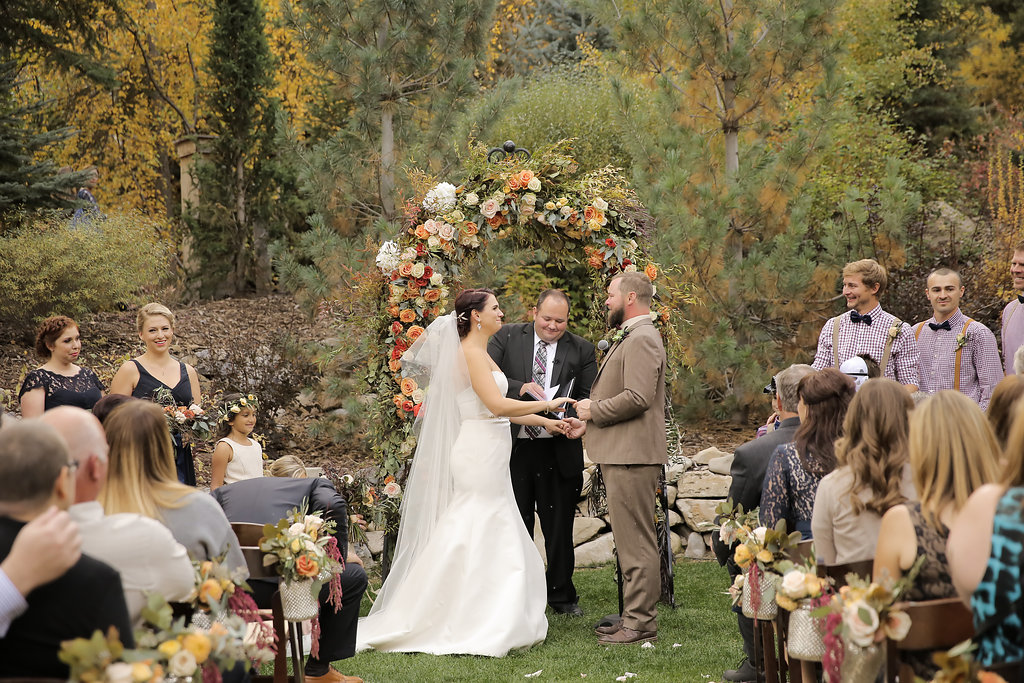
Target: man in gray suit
{"x": 749, "y": 465}
{"x": 546, "y": 469}
{"x": 624, "y": 420}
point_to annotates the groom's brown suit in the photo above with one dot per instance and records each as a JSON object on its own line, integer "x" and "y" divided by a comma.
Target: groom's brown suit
{"x": 626, "y": 437}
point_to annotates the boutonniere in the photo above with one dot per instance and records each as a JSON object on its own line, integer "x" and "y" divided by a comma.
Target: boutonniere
{"x": 961, "y": 339}
{"x": 894, "y": 331}
{"x": 619, "y": 335}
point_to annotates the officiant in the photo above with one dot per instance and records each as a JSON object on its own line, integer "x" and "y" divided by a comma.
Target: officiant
{"x": 542, "y": 360}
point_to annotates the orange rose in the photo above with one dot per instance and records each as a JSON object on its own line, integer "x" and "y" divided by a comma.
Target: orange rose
{"x": 306, "y": 567}
{"x": 664, "y": 315}
{"x": 408, "y": 386}
{"x": 421, "y": 232}
{"x": 596, "y": 261}
{"x": 394, "y": 365}
{"x": 415, "y": 331}
{"x": 651, "y": 271}
{"x": 210, "y": 592}
{"x": 495, "y": 221}
{"x": 432, "y": 295}
{"x": 513, "y": 182}
{"x": 589, "y": 212}
{"x": 525, "y": 176}
{"x": 470, "y": 228}
{"x": 405, "y": 270}
{"x": 393, "y": 310}
{"x": 397, "y": 399}
{"x": 407, "y": 315}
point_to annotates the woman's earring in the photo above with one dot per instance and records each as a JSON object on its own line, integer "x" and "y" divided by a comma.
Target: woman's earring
{"x": 478, "y": 326}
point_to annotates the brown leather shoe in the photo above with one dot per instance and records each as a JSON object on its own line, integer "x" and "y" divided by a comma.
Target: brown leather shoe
{"x": 608, "y": 630}
{"x": 333, "y": 676}
{"x": 627, "y": 636}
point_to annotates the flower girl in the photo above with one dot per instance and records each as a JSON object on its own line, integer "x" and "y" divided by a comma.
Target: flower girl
{"x": 238, "y": 455}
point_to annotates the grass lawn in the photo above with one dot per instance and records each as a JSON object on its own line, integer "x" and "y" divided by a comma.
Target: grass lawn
{"x": 702, "y": 623}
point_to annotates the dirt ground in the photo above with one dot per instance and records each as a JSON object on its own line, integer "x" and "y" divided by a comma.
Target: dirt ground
{"x": 211, "y": 334}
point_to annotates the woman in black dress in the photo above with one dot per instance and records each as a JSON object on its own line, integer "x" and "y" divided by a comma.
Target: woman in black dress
{"x": 156, "y": 368}
{"x": 58, "y": 382}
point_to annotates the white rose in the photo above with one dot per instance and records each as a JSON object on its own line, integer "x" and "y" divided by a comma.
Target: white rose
{"x": 431, "y": 226}
{"x": 599, "y": 204}
{"x": 526, "y": 210}
{"x": 471, "y": 199}
{"x": 417, "y": 396}
{"x": 420, "y": 302}
{"x": 387, "y": 257}
{"x": 446, "y": 232}
{"x": 565, "y": 210}
{"x": 653, "y": 314}
{"x": 631, "y": 268}
{"x": 529, "y": 198}
{"x": 392, "y": 489}
{"x": 118, "y": 672}
{"x": 759, "y": 533}
{"x": 489, "y": 208}
{"x": 409, "y": 254}
{"x": 434, "y": 242}
{"x": 457, "y": 216}
{"x": 196, "y": 409}
{"x": 348, "y": 480}
{"x": 436, "y": 279}
{"x": 182, "y": 663}
{"x": 297, "y": 529}
{"x": 793, "y": 585}
{"x": 861, "y": 632}
{"x": 897, "y": 625}
{"x": 180, "y": 417}
{"x": 441, "y": 199}
{"x": 534, "y": 184}
{"x": 313, "y": 522}
{"x": 418, "y": 269}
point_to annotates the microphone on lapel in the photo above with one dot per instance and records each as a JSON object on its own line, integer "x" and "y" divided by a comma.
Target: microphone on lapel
{"x": 603, "y": 345}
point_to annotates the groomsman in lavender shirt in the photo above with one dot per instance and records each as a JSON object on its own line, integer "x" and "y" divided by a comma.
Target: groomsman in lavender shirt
{"x": 956, "y": 352}
{"x": 1013, "y": 317}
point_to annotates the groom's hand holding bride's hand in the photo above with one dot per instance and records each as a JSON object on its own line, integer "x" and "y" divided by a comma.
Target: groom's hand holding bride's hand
{"x": 556, "y": 427}
{"x": 583, "y": 409}
{"x": 574, "y": 428}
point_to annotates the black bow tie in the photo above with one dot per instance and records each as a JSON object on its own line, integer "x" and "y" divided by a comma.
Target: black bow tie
{"x": 1020, "y": 298}
{"x": 858, "y": 318}
{"x": 940, "y": 326}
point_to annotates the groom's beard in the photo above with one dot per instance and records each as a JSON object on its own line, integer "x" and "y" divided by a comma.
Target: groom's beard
{"x": 616, "y": 316}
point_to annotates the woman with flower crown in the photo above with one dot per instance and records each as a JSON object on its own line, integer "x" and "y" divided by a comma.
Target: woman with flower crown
{"x": 466, "y": 577}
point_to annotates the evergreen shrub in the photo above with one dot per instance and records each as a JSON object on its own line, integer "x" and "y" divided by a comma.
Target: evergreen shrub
{"x": 48, "y": 267}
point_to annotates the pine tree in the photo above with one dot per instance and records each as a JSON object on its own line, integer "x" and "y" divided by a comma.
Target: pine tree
{"x": 397, "y": 72}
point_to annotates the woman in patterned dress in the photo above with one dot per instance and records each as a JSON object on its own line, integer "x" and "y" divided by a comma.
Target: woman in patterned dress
{"x": 59, "y": 381}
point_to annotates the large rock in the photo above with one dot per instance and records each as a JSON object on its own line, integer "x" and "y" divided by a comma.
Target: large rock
{"x": 703, "y": 484}
{"x": 676, "y": 469}
{"x": 674, "y": 519}
{"x": 707, "y": 455}
{"x": 595, "y": 553}
{"x": 375, "y": 541}
{"x": 721, "y": 464}
{"x": 695, "y": 548}
{"x": 699, "y": 513}
{"x": 676, "y": 541}
{"x": 585, "y": 528}
{"x": 671, "y": 492}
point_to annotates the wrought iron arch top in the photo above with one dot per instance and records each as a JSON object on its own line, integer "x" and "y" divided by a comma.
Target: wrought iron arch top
{"x": 506, "y": 150}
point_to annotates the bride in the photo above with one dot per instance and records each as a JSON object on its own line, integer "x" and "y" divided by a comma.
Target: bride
{"x": 466, "y": 577}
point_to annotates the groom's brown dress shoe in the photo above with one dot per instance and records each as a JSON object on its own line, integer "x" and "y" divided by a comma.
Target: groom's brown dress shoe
{"x": 608, "y": 630}
{"x": 627, "y": 636}
{"x": 333, "y": 676}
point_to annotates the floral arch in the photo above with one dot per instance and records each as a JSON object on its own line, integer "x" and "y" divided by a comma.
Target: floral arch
{"x": 542, "y": 201}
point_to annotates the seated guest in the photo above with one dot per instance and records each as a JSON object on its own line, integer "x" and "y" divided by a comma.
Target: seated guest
{"x": 1001, "y": 408}
{"x": 861, "y": 368}
{"x": 986, "y": 553}
{"x": 141, "y": 549}
{"x": 142, "y": 478}
{"x": 873, "y": 474}
{"x": 43, "y": 550}
{"x": 952, "y": 453}
{"x": 748, "y": 468}
{"x": 796, "y": 468}
{"x": 35, "y": 474}
{"x": 106, "y": 405}
{"x": 266, "y": 500}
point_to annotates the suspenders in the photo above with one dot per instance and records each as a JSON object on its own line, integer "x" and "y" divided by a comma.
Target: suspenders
{"x": 959, "y": 351}
{"x": 894, "y": 331}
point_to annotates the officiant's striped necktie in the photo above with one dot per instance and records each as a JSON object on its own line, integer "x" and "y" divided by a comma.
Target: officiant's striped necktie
{"x": 540, "y": 371}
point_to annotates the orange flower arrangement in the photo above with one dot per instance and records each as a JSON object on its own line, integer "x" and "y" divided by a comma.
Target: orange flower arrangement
{"x": 405, "y": 270}
{"x": 651, "y": 271}
{"x": 415, "y": 331}
{"x": 432, "y": 295}
{"x": 407, "y": 315}
{"x": 408, "y": 386}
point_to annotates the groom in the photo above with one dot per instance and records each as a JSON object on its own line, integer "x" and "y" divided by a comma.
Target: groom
{"x": 624, "y": 420}
{"x": 547, "y": 470}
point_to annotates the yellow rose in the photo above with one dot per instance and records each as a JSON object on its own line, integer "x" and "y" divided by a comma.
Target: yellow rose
{"x": 765, "y": 556}
{"x": 296, "y": 545}
{"x": 141, "y": 672}
{"x": 169, "y": 647}
{"x": 210, "y": 592}
{"x": 550, "y": 206}
{"x": 198, "y": 645}
{"x": 742, "y": 556}
{"x": 784, "y": 602}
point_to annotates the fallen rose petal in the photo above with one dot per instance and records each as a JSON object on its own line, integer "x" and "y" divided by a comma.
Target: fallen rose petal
{"x": 648, "y": 646}
{"x": 534, "y": 674}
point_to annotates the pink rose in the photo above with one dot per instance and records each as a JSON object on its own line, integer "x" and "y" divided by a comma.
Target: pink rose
{"x": 446, "y": 231}
{"x": 432, "y": 226}
{"x": 489, "y": 208}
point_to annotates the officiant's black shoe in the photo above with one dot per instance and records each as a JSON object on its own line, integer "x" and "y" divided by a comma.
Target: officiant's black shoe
{"x": 569, "y": 609}
{"x": 744, "y": 674}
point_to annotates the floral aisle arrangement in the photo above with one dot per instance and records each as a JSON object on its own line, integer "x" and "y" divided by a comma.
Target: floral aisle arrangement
{"x": 166, "y": 650}
{"x": 305, "y": 553}
{"x": 800, "y": 592}
{"x": 192, "y": 422}
{"x": 958, "y": 666}
{"x": 219, "y": 591}
{"x": 544, "y": 201}
{"x": 859, "y": 619}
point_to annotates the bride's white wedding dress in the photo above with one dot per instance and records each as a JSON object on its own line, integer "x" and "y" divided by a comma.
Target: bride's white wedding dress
{"x": 477, "y": 587}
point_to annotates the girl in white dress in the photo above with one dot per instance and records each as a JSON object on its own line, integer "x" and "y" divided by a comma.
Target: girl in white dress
{"x": 237, "y": 455}
{"x": 466, "y": 577}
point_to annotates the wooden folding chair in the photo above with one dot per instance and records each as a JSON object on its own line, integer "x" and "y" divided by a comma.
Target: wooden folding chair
{"x": 249, "y": 538}
{"x": 838, "y": 572}
{"x": 934, "y": 625}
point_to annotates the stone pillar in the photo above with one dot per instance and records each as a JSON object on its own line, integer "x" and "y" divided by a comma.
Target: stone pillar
{"x": 190, "y": 150}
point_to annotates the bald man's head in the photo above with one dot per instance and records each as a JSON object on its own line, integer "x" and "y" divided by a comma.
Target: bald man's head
{"x": 87, "y": 446}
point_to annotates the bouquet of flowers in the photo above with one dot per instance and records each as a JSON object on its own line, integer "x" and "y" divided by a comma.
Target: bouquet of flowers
{"x": 191, "y": 422}
{"x": 757, "y": 553}
{"x": 166, "y": 650}
{"x": 800, "y": 584}
{"x": 303, "y": 548}
{"x": 958, "y": 666}
{"x": 377, "y": 501}
{"x": 220, "y": 591}
{"x": 732, "y": 519}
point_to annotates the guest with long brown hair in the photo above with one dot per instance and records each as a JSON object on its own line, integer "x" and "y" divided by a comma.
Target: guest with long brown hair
{"x": 59, "y": 381}
{"x": 1001, "y": 406}
{"x": 873, "y": 474}
{"x": 796, "y": 468}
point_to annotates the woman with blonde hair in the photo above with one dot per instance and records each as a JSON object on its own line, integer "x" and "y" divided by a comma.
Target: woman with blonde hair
{"x": 873, "y": 474}
{"x": 141, "y": 479}
{"x": 986, "y": 549}
{"x": 287, "y": 466}
{"x": 157, "y": 369}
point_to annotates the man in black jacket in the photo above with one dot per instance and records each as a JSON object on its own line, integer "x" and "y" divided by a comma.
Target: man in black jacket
{"x": 266, "y": 500}
{"x": 36, "y": 474}
{"x": 750, "y": 462}
{"x": 547, "y": 470}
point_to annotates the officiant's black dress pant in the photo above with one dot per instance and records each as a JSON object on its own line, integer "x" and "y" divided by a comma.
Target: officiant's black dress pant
{"x": 540, "y": 484}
